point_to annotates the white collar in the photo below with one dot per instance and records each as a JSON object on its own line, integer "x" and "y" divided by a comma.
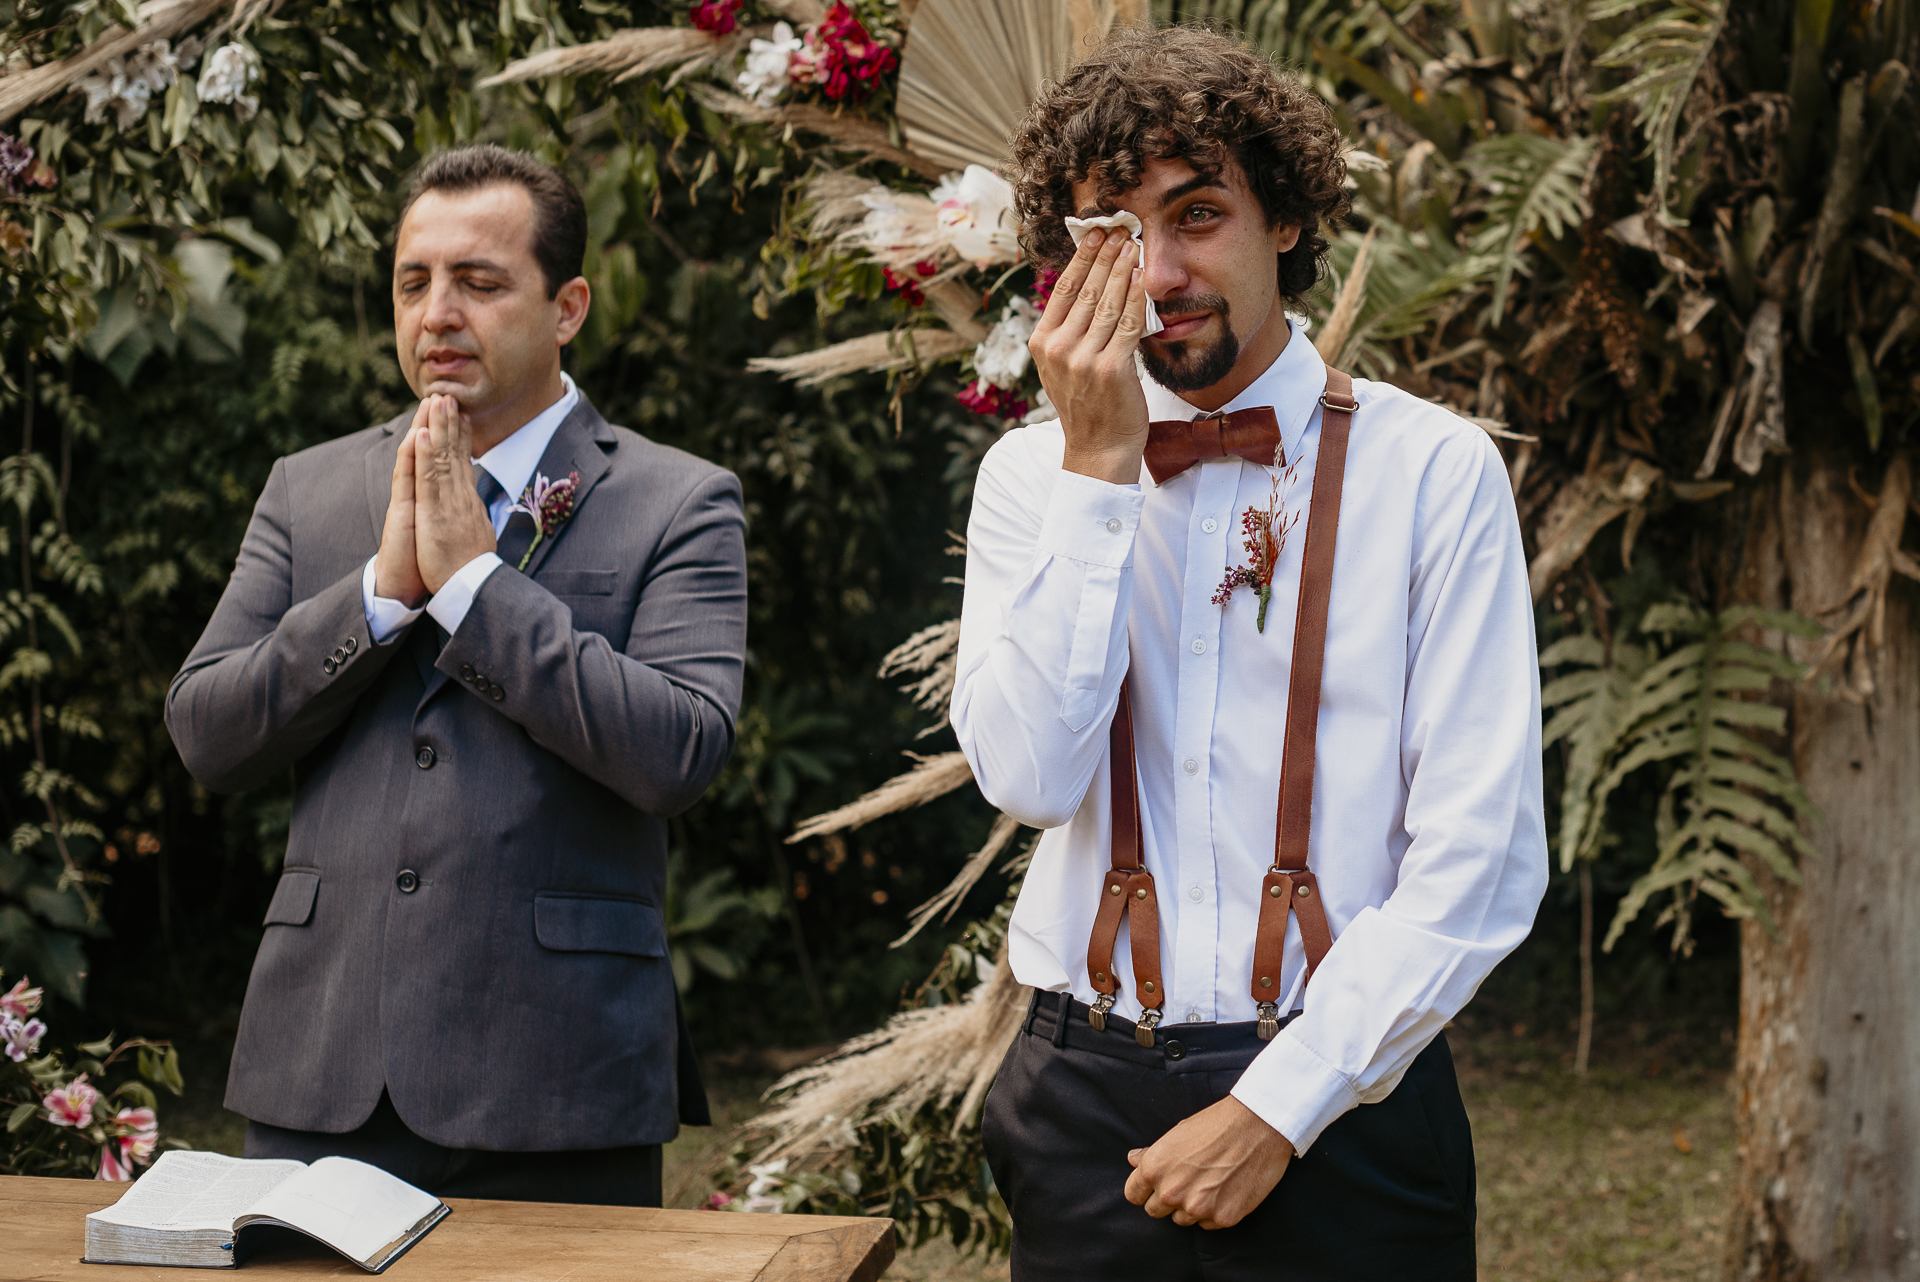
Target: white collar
{"x": 512, "y": 461}
{"x": 1292, "y": 385}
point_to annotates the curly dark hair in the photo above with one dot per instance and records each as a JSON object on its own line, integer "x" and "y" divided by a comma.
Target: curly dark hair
{"x": 1181, "y": 93}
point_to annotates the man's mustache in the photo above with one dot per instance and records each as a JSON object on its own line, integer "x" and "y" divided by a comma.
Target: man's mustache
{"x": 1190, "y": 303}
{"x": 426, "y": 351}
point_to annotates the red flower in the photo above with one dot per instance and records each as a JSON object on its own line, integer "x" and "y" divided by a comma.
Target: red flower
{"x": 983, "y": 397}
{"x": 1043, "y": 287}
{"x": 842, "y": 57}
{"x": 716, "y": 16}
{"x": 908, "y": 286}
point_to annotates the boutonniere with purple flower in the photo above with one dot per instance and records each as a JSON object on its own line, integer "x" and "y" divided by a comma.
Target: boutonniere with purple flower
{"x": 1266, "y": 535}
{"x": 550, "y": 504}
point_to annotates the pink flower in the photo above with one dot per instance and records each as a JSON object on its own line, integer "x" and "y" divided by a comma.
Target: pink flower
{"x": 20, "y": 1001}
{"x": 111, "y": 1167}
{"x": 716, "y": 16}
{"x": 550, "y": 504}
{"x": 841, "y": 56}
{"x": 717, "y": 1202}
{"x": 1043, "y": 287}
{"x": 983, "y": 397}
{"x": 22, "y": 1039}
{"x": 72, "y": 1104}
{"x": 137, "y": 1131}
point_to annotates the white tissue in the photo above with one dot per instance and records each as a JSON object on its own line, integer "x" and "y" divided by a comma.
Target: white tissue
{"x": 1078, "y": 229}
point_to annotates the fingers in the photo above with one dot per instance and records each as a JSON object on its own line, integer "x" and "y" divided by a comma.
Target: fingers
{"x": 1104, "y": 313}
{"x": 1081, "y": 318}
{"x": 1067, "y": 288}
{"x": 1139, "y": 1187}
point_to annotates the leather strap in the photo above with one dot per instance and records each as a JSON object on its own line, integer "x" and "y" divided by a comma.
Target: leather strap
{"x": 1289, "y": 886}
{"x": 1299, "y": 891}
{"x": 1128, "y": 887}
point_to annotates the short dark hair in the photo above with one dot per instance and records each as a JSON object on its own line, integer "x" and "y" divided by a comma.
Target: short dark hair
{"x": 559, "y": 215}
{"x": 1181, "y": 93}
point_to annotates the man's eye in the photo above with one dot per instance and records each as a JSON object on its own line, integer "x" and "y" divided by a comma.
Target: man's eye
{"x": 1199, "y": 214}
{"x": 479, "y": 288}
{"x": 413, "y": 287}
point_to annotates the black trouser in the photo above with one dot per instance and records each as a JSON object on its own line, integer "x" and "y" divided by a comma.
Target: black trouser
{"x": 1386, "y": 1192}
{"x": 628, "y": 1176}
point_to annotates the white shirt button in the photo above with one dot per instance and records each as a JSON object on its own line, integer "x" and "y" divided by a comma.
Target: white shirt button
{"x": 1190, "y": 766}
{"x": 1193, "y": 1017}
{"x": 1113, "y": 525}
{"x": 1196, "y": 894}
{"x": 1199, "y": 646}
{"x": 1209, "y": 525}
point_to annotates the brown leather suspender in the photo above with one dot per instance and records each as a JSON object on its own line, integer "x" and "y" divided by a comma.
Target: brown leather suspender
{"x": 1289, "y": 885}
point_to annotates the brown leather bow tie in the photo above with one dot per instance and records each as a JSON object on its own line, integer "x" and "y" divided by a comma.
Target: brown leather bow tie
{"x": 1173, "y": 446}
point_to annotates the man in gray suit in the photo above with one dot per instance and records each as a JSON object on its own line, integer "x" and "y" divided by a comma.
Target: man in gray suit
{"x": 489, "y": 707}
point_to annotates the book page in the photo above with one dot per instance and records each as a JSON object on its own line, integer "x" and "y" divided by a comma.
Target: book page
{"x": 357, "y": 1209}
{"x": 188, "y": 1190}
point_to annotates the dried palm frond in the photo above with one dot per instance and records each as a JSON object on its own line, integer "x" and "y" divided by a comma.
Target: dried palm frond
{"x": 1858, "y": 642}
{"x": 870, "y": 353}
{"x": 929, "y": 1056}
{"x": 970, "y": 70}
{"x": 159, "y": 20}
{"x": 846, "y": 129}
{"x": 957, "y": 305}
{"x": 1579, "y": 511}
{"x": 638, "y": 51}
{"x": 932, "y": 777}
{"x": 833, "y": 202}
{"x": 803, "y": 12}
{"x": 1332, "y": 343}
{"x": 968, "y": 877}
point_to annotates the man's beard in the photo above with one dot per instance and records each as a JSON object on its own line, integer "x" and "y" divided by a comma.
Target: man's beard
{"x": 1185, "y": 367}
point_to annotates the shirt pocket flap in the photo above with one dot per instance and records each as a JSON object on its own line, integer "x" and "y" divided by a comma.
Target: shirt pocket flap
{"x": 578, "y": 582}
{"x": 293, "y": 898}
{"x": 598, "y": 924}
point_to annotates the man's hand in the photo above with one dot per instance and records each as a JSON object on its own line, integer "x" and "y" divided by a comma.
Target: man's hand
{"x": 1212, "y": 1170}
{"x": 396, "y": 572}
{"x": 451, "y": 526}
{"x": 1083, "y": 348}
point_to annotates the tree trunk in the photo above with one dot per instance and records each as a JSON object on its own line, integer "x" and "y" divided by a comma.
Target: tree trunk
{"x": 1827, "y": 1075}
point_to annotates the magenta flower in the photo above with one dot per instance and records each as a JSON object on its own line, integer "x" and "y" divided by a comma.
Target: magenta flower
{"x": 21, "y": 1038}
{"x": 716, "y": 17}
{"x": 550, "y": 504}
{"x": 841, "y": 56}
{"x": 20, "y": 1001}
{"x": 72, "y": 1104}
{"x": 137, "y": 1130}
{"x": 111, "y": 1167}
{"x": 983, "y": 397}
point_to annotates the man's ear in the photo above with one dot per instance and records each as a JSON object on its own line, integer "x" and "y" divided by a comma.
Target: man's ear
{"x": 1285, "y": 237}
{"x": 574, "y": 298}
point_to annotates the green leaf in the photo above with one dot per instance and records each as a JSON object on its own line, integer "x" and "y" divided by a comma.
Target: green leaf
{"x": 18, "y": 1118}
{"x": 1533, "y": 183}
{"x": 1866, "y": 386}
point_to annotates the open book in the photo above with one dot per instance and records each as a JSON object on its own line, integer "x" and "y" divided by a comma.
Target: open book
{"x": 196, "y": 1210}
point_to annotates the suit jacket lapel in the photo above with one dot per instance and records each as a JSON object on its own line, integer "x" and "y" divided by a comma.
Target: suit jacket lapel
{"x": 579, "y": 445}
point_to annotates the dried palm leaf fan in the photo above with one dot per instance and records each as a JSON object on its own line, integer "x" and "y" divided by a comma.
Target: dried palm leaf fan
{"x": 971, "y": 68}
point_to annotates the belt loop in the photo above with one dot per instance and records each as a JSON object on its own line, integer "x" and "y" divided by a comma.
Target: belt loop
{"x": 1060, "y": 1021}
{"x": 1033, "y": 1009}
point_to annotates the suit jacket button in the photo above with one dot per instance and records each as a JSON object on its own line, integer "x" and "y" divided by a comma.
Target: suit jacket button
{"x": 424, "y": 758}
{"x": 350, "y": 645}
{"x": 329, "y": 666}
{"x": 497, "y": 693}
{"x": 466, "y": 672}
{"x": 408, "y": 882}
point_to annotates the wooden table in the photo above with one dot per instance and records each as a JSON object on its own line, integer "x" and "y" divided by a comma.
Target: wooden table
{"x": 43, "y": 1234}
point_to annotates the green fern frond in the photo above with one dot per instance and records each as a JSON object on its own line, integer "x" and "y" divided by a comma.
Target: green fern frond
{"x": 1532, "y": 182}
{"x": 1726, "y": 794}
{"x": 1412, "y": 277}
{"x": 1663, "y": 56}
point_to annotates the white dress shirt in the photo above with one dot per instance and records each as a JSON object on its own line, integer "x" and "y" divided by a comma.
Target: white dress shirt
{"x": 1429, "y": 840}
{"x": 511, "y": 462}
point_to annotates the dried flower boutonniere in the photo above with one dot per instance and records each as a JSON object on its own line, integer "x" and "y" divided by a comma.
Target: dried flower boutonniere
{"x": 550, "y": 504}
{"x": 1266, "y": 530}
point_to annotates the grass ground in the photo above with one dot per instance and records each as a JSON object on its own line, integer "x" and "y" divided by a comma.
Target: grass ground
{"x": 1620, "y": 1176}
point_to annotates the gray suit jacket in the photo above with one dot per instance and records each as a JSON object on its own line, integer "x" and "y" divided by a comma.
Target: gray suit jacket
{"x": 470, "y": 912}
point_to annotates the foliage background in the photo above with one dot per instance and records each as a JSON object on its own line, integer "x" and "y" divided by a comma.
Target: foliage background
{"x": 850, "y": 501}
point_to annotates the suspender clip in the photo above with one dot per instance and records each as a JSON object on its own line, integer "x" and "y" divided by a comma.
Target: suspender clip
{"x": 1143, "y": 1031}
{"x": 1269, "y": 1024}
{"x": 1097, "y": 1013}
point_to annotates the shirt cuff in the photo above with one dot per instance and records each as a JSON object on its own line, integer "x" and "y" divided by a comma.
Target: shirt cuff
{"x": 1294, "y": 1091}
{"x": 1091, "y": 521}
{"x": 385, "y": 616}
{"x": 455, "y": 597}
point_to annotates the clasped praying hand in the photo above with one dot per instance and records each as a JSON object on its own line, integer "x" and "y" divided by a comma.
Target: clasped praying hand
{"x": 436, "y": 522}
